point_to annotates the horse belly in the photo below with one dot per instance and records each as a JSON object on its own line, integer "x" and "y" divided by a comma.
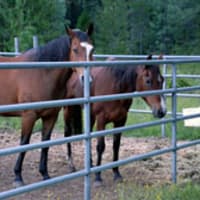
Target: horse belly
{"x": 112, "y": 111}
{"x": 8, "y": 96}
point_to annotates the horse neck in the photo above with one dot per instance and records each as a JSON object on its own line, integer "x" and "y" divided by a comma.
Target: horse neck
{"x": 59, "y": 76}
{"x": 128, "y": 80}
{"x": 139, "y": 70}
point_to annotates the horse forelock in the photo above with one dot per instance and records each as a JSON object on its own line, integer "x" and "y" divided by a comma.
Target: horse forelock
{"x": 82, "y": 36}
{"x": 155, "y": 70}
{"x": 55, "y": 50}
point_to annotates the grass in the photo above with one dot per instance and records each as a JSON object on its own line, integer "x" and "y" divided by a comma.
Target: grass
{"x": 157, "y": 192}
{"x": 182, "y": 131}
{"x": 131, "y": 191}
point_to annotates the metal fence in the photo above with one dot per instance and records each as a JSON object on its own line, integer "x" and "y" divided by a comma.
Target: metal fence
{"x": 165, "y": 74}
{"x": 87, "y": 135}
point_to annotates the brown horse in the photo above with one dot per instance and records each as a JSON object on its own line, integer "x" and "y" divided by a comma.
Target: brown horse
{"x": 113, "y": 80}
{"x": 31, "y": 85}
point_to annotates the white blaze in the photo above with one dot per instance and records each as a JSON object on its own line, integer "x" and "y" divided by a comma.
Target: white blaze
{"x": 88, "y": 48}
{"x": 163, "y": 104}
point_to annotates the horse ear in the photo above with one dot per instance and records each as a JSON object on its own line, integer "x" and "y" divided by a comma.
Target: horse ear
{"x": 149, "y": 57}
{"x": 160, "y": 57}
{"x": 69, "y": 31}
{"x": 90, "y": 29}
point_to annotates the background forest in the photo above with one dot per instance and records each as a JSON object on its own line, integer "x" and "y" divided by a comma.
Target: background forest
{"x": 121, "y": 26}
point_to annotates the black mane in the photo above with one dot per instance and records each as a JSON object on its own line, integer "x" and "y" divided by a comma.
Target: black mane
{"x": 125, "y": 77}
{"x": 55, "y": 50}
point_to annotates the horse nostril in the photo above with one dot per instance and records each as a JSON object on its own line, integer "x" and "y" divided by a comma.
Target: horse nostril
{"x": 82, "y": 79}
{"x": 161, "y": 113}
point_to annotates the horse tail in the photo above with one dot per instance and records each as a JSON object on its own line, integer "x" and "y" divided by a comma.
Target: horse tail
{"x": 72, "y": 120}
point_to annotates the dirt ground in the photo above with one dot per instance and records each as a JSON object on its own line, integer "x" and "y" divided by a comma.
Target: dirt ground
{"x": 156, "y": 170}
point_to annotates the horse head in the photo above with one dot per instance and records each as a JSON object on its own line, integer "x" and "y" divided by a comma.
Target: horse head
{"x": 150, "y": 78}
{"x": 81, "y": 47}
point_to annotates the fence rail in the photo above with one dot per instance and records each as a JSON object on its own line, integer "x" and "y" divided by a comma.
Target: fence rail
{"x": 87, "y": 135}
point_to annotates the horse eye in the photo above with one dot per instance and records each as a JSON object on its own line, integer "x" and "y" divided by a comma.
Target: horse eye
{"x": 148, "y": 82}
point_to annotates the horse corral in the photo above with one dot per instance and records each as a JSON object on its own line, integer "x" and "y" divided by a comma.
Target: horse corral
{"x": 130, "y": 153}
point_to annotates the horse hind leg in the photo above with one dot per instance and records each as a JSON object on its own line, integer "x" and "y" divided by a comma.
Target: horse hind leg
{"x": 116, "y": 146}
{"x": 48, "y": 124}
{"x": 28, "y": 121}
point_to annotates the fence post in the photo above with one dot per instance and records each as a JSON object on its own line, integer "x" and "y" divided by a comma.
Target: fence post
{"x": 174, "y": 127}
{"x": 16, "y": 44}
{"x": 87, "y": 156}
{"x": 35, "y": 41}
{"x": 163, "y": 130}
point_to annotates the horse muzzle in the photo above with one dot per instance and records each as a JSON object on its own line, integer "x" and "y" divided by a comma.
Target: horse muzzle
{"x": 159, "y": 113}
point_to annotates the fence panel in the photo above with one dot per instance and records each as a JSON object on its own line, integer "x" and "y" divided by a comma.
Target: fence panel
{"x": 87, "y": 136}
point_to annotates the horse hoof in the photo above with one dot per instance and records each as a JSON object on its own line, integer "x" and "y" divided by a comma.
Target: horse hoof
{"x": 98, "y": 184}
{"x": 46, "y": 177}
{"x": 118, "y": 179}
{"x": 17, "y": 184}
{"x": 72, "y": 169}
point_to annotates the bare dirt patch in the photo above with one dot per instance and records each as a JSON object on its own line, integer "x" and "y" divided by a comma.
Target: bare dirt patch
{"x": 156, "y": 170}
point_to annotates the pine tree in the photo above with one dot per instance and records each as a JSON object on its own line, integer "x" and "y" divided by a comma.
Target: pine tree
{"x": 112, "y": 28}
{"x": 24, "y": 19}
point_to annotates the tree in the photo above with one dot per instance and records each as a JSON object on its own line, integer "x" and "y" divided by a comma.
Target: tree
{"x": 139, "y": 28}
{"x": 112, "y": 28}
{"x": 175, "y": 25}
{"x": 24, "y": 19}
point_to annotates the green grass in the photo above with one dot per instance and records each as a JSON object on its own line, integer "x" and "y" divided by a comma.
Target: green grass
{"x": 129, "y": 191}
{"x": 176, "y": 192}
{"x": 182, "y": 131}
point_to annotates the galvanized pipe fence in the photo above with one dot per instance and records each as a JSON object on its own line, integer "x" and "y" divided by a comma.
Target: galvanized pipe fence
{"x": 88, "y": 134}
{"x": 131, "y": 57}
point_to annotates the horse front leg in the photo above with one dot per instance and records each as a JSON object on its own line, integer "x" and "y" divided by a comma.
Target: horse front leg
{"x": 116, "y": 147}
{"x": 28, "y": 121}
{"x": 68, "y": 133}
{"x": 48, "y": 124}
{"x": 73, "y": 126}
{"x": 100, "y": 149}
{"x": 92, "y": 122}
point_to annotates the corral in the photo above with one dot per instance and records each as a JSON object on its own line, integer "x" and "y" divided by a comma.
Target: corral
{"x": 159, "y": 146}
